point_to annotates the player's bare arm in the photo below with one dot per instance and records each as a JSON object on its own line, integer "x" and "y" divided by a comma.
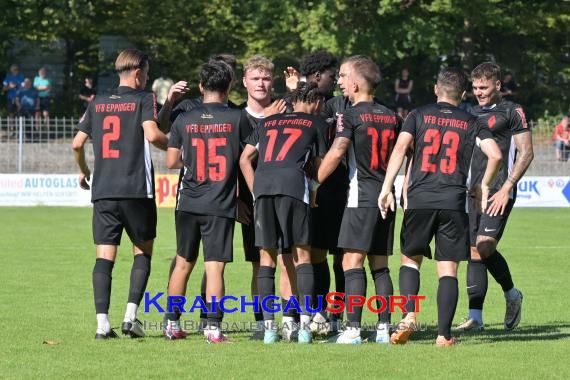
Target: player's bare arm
{"x": 174, "y": 158}
{"x": 494, "y": 159}
{"x": 248, "y": 155}
{"x": 386, "y": 198}
{"x": 333, "y": 158}
{"x": 410, "y": 160}
{"x": 176, "y": 92}
{"x": 79, "y": 155}
{"x": 155, "y": 135}
{"x": 525, "y": 155}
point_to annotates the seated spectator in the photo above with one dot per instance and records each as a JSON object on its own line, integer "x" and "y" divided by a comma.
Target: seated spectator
{"x": 27, "y": 99}
{"x": 12, "y": 83}
{"x": 87, "y": 91}
{"x": 509, "y": 87}
{"x": 43, "y": 84}
{"x": 561, "y": 140}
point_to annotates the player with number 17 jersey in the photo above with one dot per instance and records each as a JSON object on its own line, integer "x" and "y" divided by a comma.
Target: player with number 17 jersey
{"x": 123, "y": 166}
{"x": 286, "y": 142}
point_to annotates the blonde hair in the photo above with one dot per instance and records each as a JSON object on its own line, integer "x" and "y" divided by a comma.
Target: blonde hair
{"x": 130, "y": 59}
{"x": 258, "y": 62}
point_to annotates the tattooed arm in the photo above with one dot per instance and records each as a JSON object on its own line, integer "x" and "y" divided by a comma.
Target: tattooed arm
{"x": 333, "y": 158}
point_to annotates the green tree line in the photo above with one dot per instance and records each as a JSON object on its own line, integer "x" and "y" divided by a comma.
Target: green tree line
{"x": 529, "y": 38}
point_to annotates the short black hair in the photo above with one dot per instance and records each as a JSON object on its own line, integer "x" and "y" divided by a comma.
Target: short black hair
{"x": 216, "y": 76}
{"x": 453, "y": 81}
{"x": 306, "y": 92}
{"x": 318, "y": 62}
{"x": 230, "y": 59}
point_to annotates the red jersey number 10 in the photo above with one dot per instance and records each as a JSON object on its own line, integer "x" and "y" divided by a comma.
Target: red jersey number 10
{"x": 448, "y": 163}
{"x": 381, "y": 157}
{"x": 112, "y": 124}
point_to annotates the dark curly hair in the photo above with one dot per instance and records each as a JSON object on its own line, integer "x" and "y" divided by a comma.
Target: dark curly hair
{"x": 318, "y": 62}
{"x": 306, "y": 92}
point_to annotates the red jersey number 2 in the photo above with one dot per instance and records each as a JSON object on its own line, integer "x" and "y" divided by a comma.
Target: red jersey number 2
{"x": 112, "y": 128}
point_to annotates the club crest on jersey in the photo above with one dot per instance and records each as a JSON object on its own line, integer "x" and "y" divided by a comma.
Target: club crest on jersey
{"x": 339, "y": 126}
{"x": 492, "y": 121}
{"x": 206, "y": 116}
{"x": 523, "y": 117}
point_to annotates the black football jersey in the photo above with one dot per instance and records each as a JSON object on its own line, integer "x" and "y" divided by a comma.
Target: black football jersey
{"x": 210, "y": 137}
{"x": 444, "y": 137}
{"x": 187, "y": 105}
{"x": 253, "y": 122}
{"x": 504, "y": 120}
{"x": 286, "y": 142}
{"x": 373, "y": 130}
{"x": 123, "y": 166}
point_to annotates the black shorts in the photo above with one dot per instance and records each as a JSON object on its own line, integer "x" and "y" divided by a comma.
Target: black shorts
{"x": 281, "y": 222}
{"x": 136, "y": 215}
{"x": 325, "y": 224}
{"x": 215, "y": 232}
{"x": 249, "y": 248}
{"x": 12, "y": 107}
{"x": 45, "y": 104}
{"x": 450, "y": 228}
{"x": 363, "y": 229}
{"x": 485, "y": 224}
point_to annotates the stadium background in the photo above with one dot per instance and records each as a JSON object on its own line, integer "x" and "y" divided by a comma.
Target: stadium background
{"x": 46, "y": 298}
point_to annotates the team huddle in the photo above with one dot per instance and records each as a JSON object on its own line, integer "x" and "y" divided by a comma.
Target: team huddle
{"x": 306, "y": 175}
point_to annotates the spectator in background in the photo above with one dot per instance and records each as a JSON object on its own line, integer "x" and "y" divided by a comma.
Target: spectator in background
{"x": 43, "y": 84}
{"x": 561, "y": 140}
{"x": 160, "y": 87}
{"x": 12, "y": 83}
{"x": 403, "y": 88}
{"x": 27, "y": 100}
{"x": 509, "y": 87}
{"x": 87, "y": 91}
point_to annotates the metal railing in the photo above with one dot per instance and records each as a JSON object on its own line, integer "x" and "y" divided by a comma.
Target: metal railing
{"x": 29, "y": 145}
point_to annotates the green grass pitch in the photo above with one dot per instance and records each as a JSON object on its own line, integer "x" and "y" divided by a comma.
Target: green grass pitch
{"x": 46, "y": 296}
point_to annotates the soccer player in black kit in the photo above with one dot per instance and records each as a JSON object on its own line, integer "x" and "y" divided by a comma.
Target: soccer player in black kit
{"x": 366, "y": 132}
{"x": 209, "y": 137}
{"x": 440, "y": 138}
{"x": 121, "y": 124}
{"x": 506, "y": 120}
{"x": 284, "y": 144}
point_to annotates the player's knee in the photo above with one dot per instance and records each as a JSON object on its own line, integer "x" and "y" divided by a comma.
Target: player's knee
{"x": 486, "y": 247}
{"x": 414, "y": 262}
{"x": 318, "y": 255}
{"x": 377, "y": 262}
{"x": 353, "y": 260}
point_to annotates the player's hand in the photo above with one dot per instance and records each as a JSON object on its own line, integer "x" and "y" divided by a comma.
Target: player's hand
{"x": 313, "y": 199}
{"x": 177, "y": 90}
{"x": 84, "y": 178}
{"x": 278, "y": 106}
{"x": 386, "y": 202}
{"x": 244, "y": 213}
{"x": 498, "y": 203}
{"x": 292, "y": 77}
{"x": 484, "y": 197}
